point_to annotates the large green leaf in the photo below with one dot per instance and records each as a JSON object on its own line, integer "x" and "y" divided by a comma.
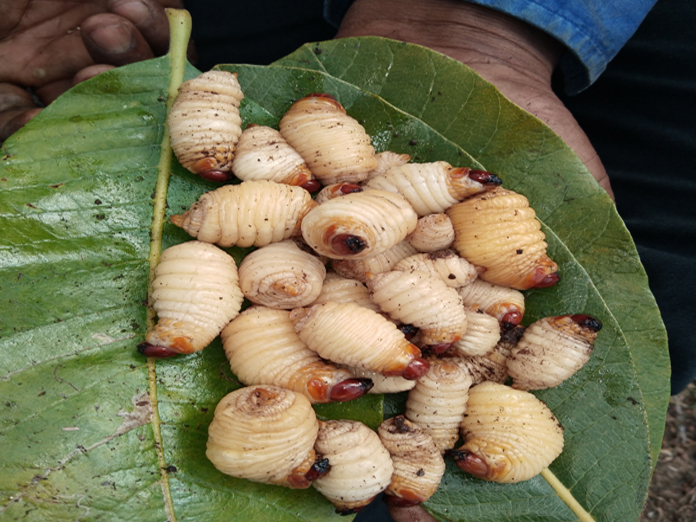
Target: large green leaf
{"x": 92, "y": 430}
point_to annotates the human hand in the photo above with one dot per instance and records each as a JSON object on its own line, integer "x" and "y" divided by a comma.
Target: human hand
{"x": 51, "y": 46}
{"x": 514, "y": 56}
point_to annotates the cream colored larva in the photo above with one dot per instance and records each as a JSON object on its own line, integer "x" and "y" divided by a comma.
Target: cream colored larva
{"x": 381, "y": 383}
{"x": 422, "y": 300}
{"x": 195, "y": 293}
{"x": 386, "y": 160}
{"x": 433, "y": 232}
{"x": 358, "y": 268}
{"x": 281, "y": 275}
{"x": 262, "y": 153}
{"x": 499, "y": 233}
{"x": 334, "y": 145}
{"x": 510, "y": 435}
{"x": 503, "y": 303}
{"x": 431, "y": 188}
{"x": 346, "y": 333}
{"x": 358, "y": 225}
{"x": 438, "y": 401}
{"x": 361, "y": 467}
{"x": 482, "y": 333}
{"x": 205, "y": 125}
{"x": 418, "y": 464}
{"x": 251, "y": 213}
{"x": 265, "y": 434}
{"x": 454, "y": 271}
{"x": 551, "y": 350}
{"x": 263, "y": 348}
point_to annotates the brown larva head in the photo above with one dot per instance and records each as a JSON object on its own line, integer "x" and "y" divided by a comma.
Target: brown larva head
{"x": 350, "y": 389}
{"x": 158, "y": 352}
{"x": 416, "y": 369}
{"x": 471, "y": 463}
{"x": 587, "y": 321}
{"x": 347, "y": 245}
{"x": 486, "y": 179}
{"x": 320, "y": 468}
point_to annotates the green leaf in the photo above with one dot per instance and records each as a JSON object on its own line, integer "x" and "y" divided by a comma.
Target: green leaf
{"x": 87, "y": 425}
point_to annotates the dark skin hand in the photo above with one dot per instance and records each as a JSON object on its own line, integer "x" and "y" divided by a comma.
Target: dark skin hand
{"x": 50, "y": 46}
{"x": 514, "y": 56}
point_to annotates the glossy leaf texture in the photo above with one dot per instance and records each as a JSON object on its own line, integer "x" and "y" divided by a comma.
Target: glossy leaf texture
{"x": 76, "y": 191}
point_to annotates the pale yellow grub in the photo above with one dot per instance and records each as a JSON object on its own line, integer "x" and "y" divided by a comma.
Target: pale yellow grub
{"x": 195, "y": 293}
{"x": 251, "y": 213}
{"x": 454, "y": 271}
{"x": 204, "y": 121}
{"x": 339, "y": 289}
{"x": 510, "y": 435}
{"x": 264, "y": 434}
{"x": 433, "y": 232}
{"x": 361, "y": 467}
{"x": 482, "y": 333}
{"x": 496, "y": 300}
{"x": 359, "y": 268}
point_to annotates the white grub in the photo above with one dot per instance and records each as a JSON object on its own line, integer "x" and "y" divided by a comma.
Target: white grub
{"x": 349, "y": 334}
{"x": 438, "y": 401}
{"x": 281, "y": 275}
{"x": 482, "y": 333}
{"x": 454, "y": 271}
{"x": 418, "y": 464}
{"x": 251, "y": 213}
{"x": 358, "y": 225}
{"x": 433, "y": 232}
{"x": 262, "y": 153}
{"x": 195, "y": 293}
{"x": 204, "y": 122}
{"x": 339, "y": 289}
{"x": 358, "y": 268}
{"x": 264, "y": 434}
{"x": 510, "y": 435}
{"x": 499, "y": 233}
{"x": 334, "y": 145}
{"x": 361, "y": 467}
{"x": 551, "y": 350}
{"x": 503, "y": 303}
{"x": 430, "y": 187}
{"x": 422, "y": 300}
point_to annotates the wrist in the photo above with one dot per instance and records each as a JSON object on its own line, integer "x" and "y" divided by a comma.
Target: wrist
{"x": 492, "y": 43}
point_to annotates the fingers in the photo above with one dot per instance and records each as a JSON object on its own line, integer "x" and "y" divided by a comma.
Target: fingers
{"x": 149, "y": 18}
{"x": 16, "y": 109}
{"x": 111, "y": 39}
{"x": 410, "y": 514}
{"x": 90, "y": 72}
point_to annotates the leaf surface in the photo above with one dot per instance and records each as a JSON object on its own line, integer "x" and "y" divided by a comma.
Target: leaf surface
{"x": 76, "y": 208}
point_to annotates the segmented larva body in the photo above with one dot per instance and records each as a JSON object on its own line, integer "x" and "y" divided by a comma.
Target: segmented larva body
{"x": 510, "y": 435}
{"x": 493, "y": 365}
{"x": 334, "y": 145}
{"x": 281, "y": 275}
{"x": 438, "y": 401}
{"x": 251, "y": 213}
{"x": 482, "y": 333}
{"x": 263, "y": 348}
{"x": 433, "y": 232}
{"x": 341, "y": 289}
{"x": 505, "y": 304}
{"x": 433, "y": 187}
{"x": 205, "y": 125}
{"x": 551, "y": 350}
{"x": 498, "y": 231}
{"x": 265, "y": 434}
{"x": 358, "y": 225}
{"x": 195, "y": 293}
{"x": 422, "y": 300}
{"x": 262, "y": 153}
{"x": 454, "y": 271}
{"x": 346, "y": 333}
{"x": 386, "y": 160}
{"x": 336, "y": 190}
{"x": 418, "y": 464}
{"x": 358, "y": 268}
{"x": 381, "y": 383}
{"x": 361, "y": 467}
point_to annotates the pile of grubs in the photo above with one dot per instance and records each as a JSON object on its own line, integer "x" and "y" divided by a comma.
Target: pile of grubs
{"x": 395, "y": 277}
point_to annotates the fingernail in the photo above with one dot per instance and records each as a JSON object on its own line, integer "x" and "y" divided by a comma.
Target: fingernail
{"x": 113, "y": 38}
{"x": 136, "y": 12}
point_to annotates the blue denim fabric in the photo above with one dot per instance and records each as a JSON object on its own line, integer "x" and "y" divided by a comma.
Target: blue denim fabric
{"x": 593, "y": 30}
